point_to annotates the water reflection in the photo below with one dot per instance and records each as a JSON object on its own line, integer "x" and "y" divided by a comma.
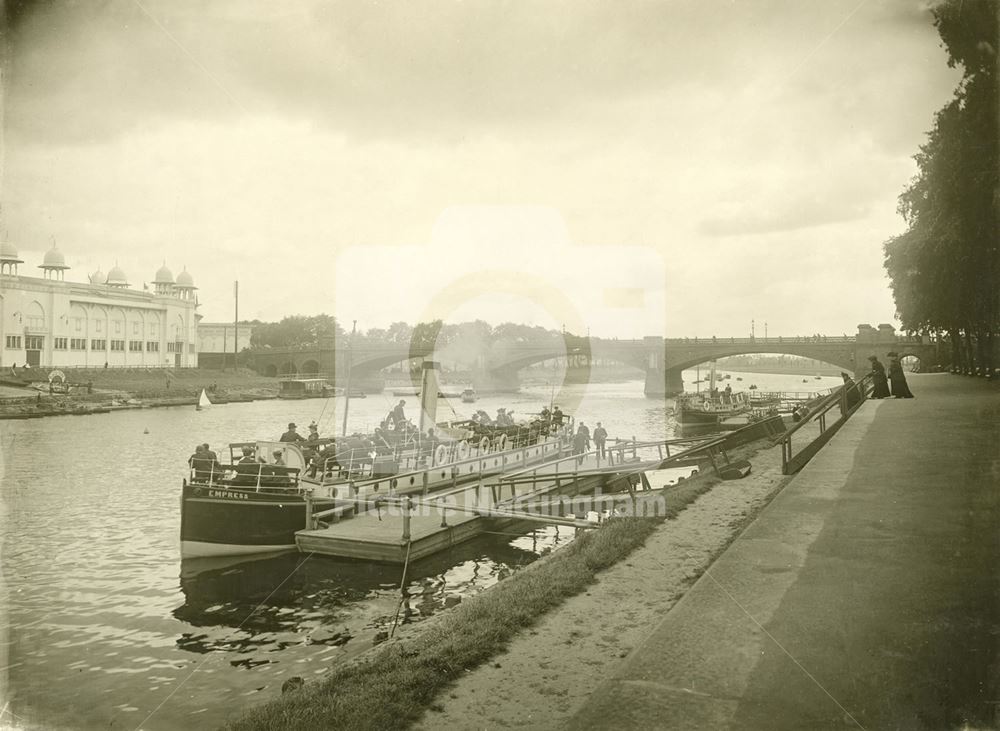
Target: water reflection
{"x": 269, "y": 604}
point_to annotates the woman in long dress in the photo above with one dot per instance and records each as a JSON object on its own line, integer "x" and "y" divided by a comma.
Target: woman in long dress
{"x": 881, "y": 386}
{"x": 896, "y": 378}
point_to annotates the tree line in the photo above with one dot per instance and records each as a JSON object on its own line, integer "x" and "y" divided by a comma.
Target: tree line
{"x": 316, "y": 330}
{"x": 944, "y": 268}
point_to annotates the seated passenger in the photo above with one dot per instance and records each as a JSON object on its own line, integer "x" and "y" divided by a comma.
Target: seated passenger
{"x": 291, "y": 435}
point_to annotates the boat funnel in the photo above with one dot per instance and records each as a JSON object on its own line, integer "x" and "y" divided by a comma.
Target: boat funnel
{"x": 429, "y": 395}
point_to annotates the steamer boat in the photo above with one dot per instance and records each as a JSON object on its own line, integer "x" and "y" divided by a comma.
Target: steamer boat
{"x": 257, "y": 501}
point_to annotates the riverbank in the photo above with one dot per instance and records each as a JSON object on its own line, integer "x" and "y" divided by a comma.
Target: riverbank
{"x": 864, "y": 595}
{"x": 100, "y": 390}
{"x": 391, "y": 686}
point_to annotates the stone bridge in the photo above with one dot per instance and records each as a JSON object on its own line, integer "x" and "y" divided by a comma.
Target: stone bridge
{"x": 662, "y": 360}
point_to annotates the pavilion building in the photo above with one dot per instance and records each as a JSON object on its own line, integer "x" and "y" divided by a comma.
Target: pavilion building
{"x": 48, "y": 321}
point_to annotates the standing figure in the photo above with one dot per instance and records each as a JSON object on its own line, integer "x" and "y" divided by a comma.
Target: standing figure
{"x": 881, "y": 386}
{"x": 399, "y": 415}
{"x": 586, "y": 434}
{"x": 851, "y": 389}
{"x": 600, "y": 437}
{"x": 896, "y": 378}
{"x": 580, "y": 440}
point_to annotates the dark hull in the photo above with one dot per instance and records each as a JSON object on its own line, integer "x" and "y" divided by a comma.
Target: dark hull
{"x": 220, "y": 520}
{"x": 686, "y": 415}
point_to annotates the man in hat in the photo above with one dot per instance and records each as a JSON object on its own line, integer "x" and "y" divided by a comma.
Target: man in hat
{"x": 313, "y": 432}
{"x": 880, "y": 384}
{"x": 291, "y": 435}
{"x": 600, "y": 437}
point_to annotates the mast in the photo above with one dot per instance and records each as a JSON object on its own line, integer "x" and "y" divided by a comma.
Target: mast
{"x": 711, "y": 380}
{"x": 347, "y": 388}
{"x": 236, "y": 327}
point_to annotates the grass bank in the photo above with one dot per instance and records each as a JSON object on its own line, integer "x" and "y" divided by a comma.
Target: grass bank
{"x": 393, "y": 686}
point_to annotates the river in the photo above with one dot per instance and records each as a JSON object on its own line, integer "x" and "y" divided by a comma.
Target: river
{"x": 107, "y": 628}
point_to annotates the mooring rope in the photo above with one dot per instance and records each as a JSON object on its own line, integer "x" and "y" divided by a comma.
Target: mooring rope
{"x": 402, "y": 586}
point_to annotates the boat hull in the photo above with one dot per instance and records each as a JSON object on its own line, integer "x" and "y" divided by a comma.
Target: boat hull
{"x": 220, "y": 520}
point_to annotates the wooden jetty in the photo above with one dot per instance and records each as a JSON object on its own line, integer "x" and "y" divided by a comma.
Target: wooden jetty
{"x": 409, "y": 522}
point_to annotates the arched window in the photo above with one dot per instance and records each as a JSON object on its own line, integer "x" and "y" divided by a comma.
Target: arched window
{"x": 34, "y": 316}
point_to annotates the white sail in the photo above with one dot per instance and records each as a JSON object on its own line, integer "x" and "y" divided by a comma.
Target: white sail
{"x": 203, "y": 400}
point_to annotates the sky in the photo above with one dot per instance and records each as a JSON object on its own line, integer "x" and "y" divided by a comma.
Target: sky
{"x": 670, "y": 167}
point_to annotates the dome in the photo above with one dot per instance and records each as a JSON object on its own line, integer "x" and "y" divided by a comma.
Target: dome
{"x": 8, "y": 252}
{"x": 164, "y": 275}
{"x": 98, "y": 277}
{"x": 54, "y": 259}
{"x": 185, "y": 280}
{"x": 117, "y": 277}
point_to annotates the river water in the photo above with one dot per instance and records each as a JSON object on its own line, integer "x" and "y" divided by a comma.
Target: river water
{"x": 108, "y": 628}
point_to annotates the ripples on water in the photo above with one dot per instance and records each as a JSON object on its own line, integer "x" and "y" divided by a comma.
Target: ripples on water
{"x": 107, "y": 627}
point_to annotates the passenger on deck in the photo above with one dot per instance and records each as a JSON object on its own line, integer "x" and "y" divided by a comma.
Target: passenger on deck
{"x": 600, "y": 437}
{"x": 398, "y": 415}
{"x": 279, "y": 458}
{"x": 580, "y": 440}
{"x": 248, "y": 468}
{"x": 545, "y": 415}
{"x": 313, "y": 433}
{"x": 586, "y": 433}
{"x": 291, "y": 435}
{"x": 211, "y": 455}
{"x": 202, "y": 464}
{"x": 557, "y": 416}
{"x": 727, "y": 395}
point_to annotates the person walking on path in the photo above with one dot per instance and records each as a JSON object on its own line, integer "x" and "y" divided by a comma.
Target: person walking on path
{"x": 896, "y": 377}
{"x": 600, "y": 437}
{"x": 881, "y": 386}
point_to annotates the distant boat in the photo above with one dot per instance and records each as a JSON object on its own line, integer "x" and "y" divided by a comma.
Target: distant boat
{"x": 203, "y": 401}
{"x": 468, "y": 396}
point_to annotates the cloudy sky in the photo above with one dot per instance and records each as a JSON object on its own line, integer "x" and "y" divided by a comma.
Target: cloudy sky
{"x": 636, "y": 168}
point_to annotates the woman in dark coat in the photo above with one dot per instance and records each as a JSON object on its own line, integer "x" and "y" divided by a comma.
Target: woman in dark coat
{"x": 881, "y": 386}
{"x": 897, "y": 379}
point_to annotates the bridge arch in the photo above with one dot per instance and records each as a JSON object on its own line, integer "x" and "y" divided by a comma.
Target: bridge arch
{"x": 843, "y": 359}
{"x": 271, "y": 370}
{"x": 288, "y": 368}
{"x": 310, "y": 367}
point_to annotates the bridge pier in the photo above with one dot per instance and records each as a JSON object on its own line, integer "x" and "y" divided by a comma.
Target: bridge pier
{"x": 660, "y": 382}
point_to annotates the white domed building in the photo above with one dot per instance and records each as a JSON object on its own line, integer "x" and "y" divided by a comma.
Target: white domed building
{"x": 48, "y": 321}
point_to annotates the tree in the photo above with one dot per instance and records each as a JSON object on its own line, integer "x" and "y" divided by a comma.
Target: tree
{"x": 944, "y": 268}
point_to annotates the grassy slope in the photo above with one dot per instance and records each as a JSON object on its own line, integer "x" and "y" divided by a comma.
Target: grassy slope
{"x": 393, "y": 687}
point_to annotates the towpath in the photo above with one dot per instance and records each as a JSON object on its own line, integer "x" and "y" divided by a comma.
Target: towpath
{"x": 865, "y": 595}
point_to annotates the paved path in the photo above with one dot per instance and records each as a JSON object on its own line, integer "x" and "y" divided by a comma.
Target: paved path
{"x": 866, "y": 595}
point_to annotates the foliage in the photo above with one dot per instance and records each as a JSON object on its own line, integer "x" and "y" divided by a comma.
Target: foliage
{"x": 944, "y": 267}
{"x": 296, "y": 330}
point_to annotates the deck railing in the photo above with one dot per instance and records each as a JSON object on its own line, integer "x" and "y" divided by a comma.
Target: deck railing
{"x": 848, "y": 398}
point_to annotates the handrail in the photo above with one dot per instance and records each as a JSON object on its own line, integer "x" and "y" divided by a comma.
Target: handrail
{"x": 790, "y": 462}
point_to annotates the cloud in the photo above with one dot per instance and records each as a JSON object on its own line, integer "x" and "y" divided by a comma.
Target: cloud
{"x": 83, "y": 73}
